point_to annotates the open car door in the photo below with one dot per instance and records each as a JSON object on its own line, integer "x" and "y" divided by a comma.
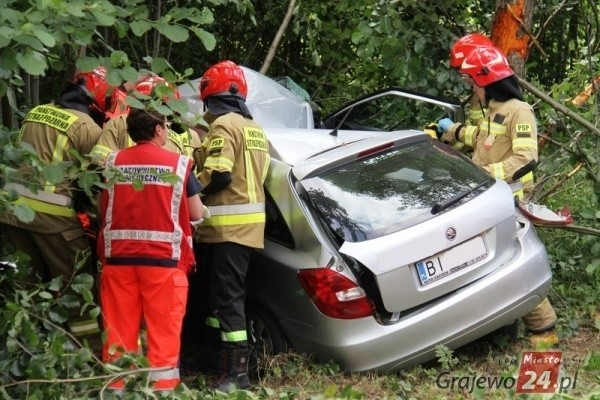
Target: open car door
{"x": 393, "y": 109}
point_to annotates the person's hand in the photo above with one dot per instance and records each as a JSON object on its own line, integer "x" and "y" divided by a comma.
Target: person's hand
{"x": 432, "y": 130}
{"x": 444, "y": 125}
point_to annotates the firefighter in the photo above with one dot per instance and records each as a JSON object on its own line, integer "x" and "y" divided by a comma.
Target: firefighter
{"x": 476, "y": 111}
{"x": 182, "y": 140}
{"x": 145, "y": 261}
{"x": 505, "y": 145}
{"x": 234, "y": 160}
{"x": 55, "y": 239}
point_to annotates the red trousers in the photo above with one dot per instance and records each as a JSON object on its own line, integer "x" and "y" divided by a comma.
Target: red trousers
{"x": 157, "y": 294}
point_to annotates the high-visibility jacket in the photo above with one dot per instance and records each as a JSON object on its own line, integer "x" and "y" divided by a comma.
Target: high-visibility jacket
{"x": 115, "y": 137}
{"x": 151, "y": 226}
{"x": 239, "y": 146}
{"x": 53, "y": 132}
{"x": 504, "y": 143}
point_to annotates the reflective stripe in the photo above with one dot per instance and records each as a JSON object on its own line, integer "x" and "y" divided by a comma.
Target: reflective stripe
{"x": 250, "y": 178}
{"x": 41, "y": 195}
{"x": 469, "y": 135}
{"x": 100, "y": 152}
{"x": 497, "y": 170}
{"x": 524, "y": 143}
{"x": 57, "y": 156}
{"x": 497, "y": 129}
{"x": 167, "y": 374}
{"x": 475, "y": 114}
{"x": 517, "y": 189}
{"x": 219, "y": 163}
{"x": 82, "y": 328}
{"x": 237, "y": 336}
{"x": 129, "y": 234}
{"x": 212, "y": 322}
{"x": 236, "y": 209}
{"x": 224, "y": 220}
{"x": 527, "y": 177}
{"x": 46, "y": 208}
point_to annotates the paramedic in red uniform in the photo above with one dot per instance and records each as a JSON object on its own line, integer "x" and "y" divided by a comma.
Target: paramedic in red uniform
{"x": 145, "y": 246}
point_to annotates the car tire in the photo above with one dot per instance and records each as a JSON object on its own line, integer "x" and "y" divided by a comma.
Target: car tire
{"x": 265, "y": 337}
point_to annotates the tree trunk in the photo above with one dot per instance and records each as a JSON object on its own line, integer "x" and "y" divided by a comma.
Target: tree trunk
{"x": 511, "y": 31}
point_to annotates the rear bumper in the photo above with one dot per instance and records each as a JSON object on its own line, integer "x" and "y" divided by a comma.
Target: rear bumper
{"x": 466, "y": 315}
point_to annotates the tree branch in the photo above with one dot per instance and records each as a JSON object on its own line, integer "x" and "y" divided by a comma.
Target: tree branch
{"x": 559, "y": 107}
{"x": 278, "y": 36}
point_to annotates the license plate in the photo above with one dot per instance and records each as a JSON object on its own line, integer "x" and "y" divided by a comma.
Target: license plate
{"x": 442, "y": 265}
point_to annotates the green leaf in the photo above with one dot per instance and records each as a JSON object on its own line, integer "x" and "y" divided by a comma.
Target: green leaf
{"x": 103, "y": 19}
{"x": 23, "y": 213}
{"x": 87, "y": 63}
{"x": 29, "y": 41}
{"x": 159, "y": 64}
{"x": 33, "y": 62}
{"x": 82, "y": 282}
{"x": 45, "y": 295}
{"x": 208, "y": 39}
{"x": 54, "y": 173}
{"x": 44, "y": 37}
{"x": 204, "y": 17}
{"x": 6, "y": 34}
{"x": 175, "y": 33}
{"x": 140, "y": 27}
{"x": 58, "y": 315}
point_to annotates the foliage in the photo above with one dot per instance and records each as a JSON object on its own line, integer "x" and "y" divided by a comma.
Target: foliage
{"x": 337, "y": 51}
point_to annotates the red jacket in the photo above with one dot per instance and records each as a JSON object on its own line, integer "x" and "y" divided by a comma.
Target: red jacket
{"x": 147, "y": 226}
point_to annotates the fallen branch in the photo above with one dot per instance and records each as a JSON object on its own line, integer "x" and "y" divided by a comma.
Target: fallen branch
{"x": 559, "y": 107}
{"x": 543, "y": 196}
{"x": 575, "y": 228}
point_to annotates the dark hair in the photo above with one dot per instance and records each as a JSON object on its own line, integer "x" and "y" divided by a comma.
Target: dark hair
{"x": 504, "y": 90}
{"x": 141, "y": 123}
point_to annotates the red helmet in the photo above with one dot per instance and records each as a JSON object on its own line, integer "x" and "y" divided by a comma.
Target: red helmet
{"x": 486, "y": 65}
{"x": 147, "y": 85}
{"x": 118, "y": 106}
{"x": 95, "y": 84}
{"x": 463, "y": 46}
{"x": 223, "y": 79}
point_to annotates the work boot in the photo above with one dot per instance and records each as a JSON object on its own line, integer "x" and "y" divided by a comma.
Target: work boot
{"x": 236, "y": 370}
{"x": 545, "y": 339}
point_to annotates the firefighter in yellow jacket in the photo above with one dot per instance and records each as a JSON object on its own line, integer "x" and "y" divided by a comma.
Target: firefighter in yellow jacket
{"x": 234, "y": 160}
{"x": 505, "y": 145}
{"x": 181, "y": 139}
{"x": 55, "y": 239}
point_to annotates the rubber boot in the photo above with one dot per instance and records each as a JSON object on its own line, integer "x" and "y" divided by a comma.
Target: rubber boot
{"x": 540, "y": 322}
{"x": 235, "y": 376}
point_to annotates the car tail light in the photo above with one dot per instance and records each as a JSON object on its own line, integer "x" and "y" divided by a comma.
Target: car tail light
{"x": 335, "y": 295}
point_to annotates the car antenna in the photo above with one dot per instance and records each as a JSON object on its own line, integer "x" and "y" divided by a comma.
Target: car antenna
{"x": 337, "y": 128}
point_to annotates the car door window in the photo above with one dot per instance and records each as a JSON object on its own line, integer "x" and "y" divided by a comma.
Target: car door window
{"x": 392, "y": 110}
{"x": 276, "y": 229}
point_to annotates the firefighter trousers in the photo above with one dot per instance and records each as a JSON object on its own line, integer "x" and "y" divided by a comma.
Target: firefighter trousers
{"x": 227, "y": 265}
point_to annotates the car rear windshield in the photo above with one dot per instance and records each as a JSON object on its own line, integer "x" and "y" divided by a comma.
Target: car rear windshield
{"x": 392, "y": 190}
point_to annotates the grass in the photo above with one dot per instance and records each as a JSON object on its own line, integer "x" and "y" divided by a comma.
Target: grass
{"x": 295, "y": 376}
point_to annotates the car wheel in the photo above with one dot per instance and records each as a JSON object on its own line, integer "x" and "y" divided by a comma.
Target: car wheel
{"x": 264, "y": 337}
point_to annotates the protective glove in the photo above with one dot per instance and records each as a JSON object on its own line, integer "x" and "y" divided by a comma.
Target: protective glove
{"x": 444, "y": 125}
{"x": 432, "y": 130}
{"x": 205, "y": 214}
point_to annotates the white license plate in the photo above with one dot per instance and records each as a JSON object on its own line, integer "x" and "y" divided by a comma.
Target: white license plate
{"x": 445, "y": 264}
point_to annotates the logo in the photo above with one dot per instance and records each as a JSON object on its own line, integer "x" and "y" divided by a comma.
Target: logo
{"x": 450, "y": 233}
{"x": 539, "y": 373}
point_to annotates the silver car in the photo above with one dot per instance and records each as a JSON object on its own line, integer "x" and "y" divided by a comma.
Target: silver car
{"x": 383, "y": 243}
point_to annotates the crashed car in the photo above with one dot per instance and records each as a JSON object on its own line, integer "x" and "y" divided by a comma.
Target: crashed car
{"x": 382, "y": 243}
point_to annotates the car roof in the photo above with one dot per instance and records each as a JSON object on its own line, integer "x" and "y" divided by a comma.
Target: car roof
{"x": 310, "y": 149}
{"x": 270, "y": 103}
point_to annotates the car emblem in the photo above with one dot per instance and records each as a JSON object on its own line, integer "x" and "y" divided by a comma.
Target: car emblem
{"x": 450, "y": 233}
